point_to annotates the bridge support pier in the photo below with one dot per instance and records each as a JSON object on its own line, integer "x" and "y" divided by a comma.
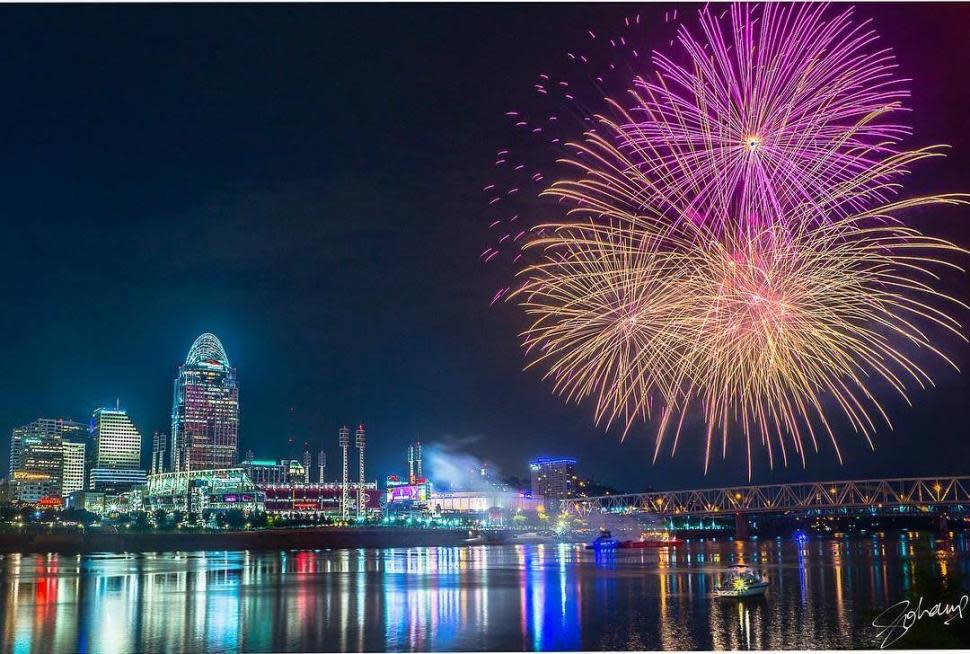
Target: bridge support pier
{"x": 742, "y": 530}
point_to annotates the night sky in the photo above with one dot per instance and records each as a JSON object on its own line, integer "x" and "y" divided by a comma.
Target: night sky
{"x": 304, "y": 182}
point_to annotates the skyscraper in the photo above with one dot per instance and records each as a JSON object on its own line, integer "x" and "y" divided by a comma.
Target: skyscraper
{"x": 205, "y": 409}
{"x": 39, "y": 454}
{"x": 72, "y": 466}
{"x": 39, "y": 472}
{"x": 117, "y": 452}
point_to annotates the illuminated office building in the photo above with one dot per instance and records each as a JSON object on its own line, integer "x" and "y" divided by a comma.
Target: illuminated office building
{"x": 205, "y": 409}
{"x": 72, "y": 466}
{"x": 43, "y": 458}
{"x": 554, "y": 479}
{"x": 117, "y": 452}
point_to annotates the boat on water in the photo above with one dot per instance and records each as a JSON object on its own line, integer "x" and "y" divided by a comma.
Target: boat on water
{"x": 538, "y": 537}
{"x": 605, "y": 541}
{"x": 652, "y": 539}
{"x": 742, "y": 581}
{"x": 648, "y": 539}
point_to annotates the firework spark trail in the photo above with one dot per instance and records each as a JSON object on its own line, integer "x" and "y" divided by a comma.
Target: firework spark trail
{"x": 758, "y": 330}
{"x": 775, "y": 106}
{"x": 732, "y": 248}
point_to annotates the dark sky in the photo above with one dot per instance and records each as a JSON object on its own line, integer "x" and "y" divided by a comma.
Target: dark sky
{"x": 304, "y": 181}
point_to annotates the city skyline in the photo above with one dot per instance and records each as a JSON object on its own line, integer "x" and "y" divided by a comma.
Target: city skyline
{"x": 339, "y": 265}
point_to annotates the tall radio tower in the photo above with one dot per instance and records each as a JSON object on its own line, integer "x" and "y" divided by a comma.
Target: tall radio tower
{"x": 361, "y": 496}
{"x": 322, "y": 465}
{"x": 343, "y": 438}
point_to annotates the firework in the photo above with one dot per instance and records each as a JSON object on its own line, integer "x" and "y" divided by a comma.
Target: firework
{"x": 773, "y": 107}
{"x": 733, "y": 251}
{"x": 758, "y": 331}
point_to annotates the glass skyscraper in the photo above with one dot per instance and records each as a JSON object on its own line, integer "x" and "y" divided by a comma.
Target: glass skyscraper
{"x": 205, "y": 409}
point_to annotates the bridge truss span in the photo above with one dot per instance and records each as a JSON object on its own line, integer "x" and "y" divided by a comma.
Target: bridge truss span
{"x": 779, "y": 498}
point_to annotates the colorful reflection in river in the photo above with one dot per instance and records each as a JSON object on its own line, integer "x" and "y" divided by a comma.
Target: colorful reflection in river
{"x": 525, "y": 597}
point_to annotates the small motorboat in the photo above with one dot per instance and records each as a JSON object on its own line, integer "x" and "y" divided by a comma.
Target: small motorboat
{"x": 537, "y": 537}
{"x": 474, "y": 538}
{"x": 742, "y": 581}
{"x": 652, "y": 539}
{"x": 604, "y": 541}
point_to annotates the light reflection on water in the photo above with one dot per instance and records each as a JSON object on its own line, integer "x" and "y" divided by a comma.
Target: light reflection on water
{"x": 525, "y": 597}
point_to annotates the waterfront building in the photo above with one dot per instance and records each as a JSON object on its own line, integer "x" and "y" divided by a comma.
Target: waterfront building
{"x": 37, "y": 458}
{"x": 43, "y": 427}
{"x": 322, "y": 499}
{"x": 39, "y": 471}
{"x": 554, "y": 479}
{"x": 115, "y": 481}
{"x": 205, "y": 409}
{"x": 266, "y": 471}
{"x": 405, "y": 496}
{"x": 409, "y": 495}
{"x": 483, "y": 501}
{"x": 72, "y": 466}
{"x": 85, "y": 500}
{"x": 196, "y": 491}
{"x": 117, "y": 452}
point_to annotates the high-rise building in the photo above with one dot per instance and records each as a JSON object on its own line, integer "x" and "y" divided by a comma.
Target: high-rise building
{"x": 554, "y": 479}
{"x": 159, "y": 446}
{"x": 117, "y": 452}
{"x": 72, "y": 466}
{"x": 39, "y": 473}
{"x": 38, "y": 457}
{"x": 44, "y": 427}
{"x": 205, "y": 409}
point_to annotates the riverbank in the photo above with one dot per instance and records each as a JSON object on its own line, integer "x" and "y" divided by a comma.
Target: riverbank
{"x": 91, "y": 540}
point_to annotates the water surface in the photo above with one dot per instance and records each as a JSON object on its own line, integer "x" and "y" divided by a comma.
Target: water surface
{"x": 824, "y": 594}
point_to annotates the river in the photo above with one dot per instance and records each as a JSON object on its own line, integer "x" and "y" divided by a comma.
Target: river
{"x": 825, "y": 593}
